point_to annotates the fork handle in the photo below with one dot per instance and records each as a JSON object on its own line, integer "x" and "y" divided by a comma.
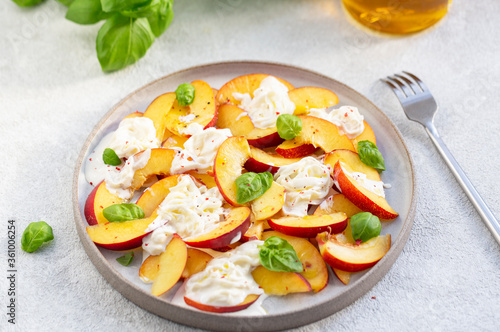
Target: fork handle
{"x": 476, "y": 199}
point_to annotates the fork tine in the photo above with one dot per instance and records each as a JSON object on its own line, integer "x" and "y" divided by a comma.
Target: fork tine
{"x": 418, "y": 80}
{"x": 407, "y": 91}
{"x": 401, "y": 96}
{"x": 414, "y": 87}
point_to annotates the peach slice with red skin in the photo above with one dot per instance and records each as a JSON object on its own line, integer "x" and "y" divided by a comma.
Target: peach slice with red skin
{"x": 243, "y": 84}
{"x": 337, "y": 203}
{"x": 315, "y": 271}
{"x": 254, "y": 231}
{"x": 203, "y": 108}
{"x": 99, "y": 199}
{"x": 261, "y": 161}
{"x": 310, "y": 226}
{"x": 249, "y": 300}
{"x": 197, "y": 260}
{"x": 269, "y": 203}
{"x": 157, "y": 112}
{"x": 152, "y": 197}
{"x": 159, "y": 163}
{"x": 353, "y": 257}
{"x": 120, "y": 235}
{"x": 360, "y": 196}
{"x": 316, "y": 133}
{"x": 352, "y": 159}
{"x": 228, "y": 166}
{"x": 237, "y": 222}
{"x": 308, "y": 97}
{"x": 149, "y": 268}
{"x": 280, "y": 283}
{"x": 171, "y": 265}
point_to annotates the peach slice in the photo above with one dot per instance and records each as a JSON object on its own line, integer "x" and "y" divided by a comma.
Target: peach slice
{"x": 249, "y": 300}
{"x": 196, "y": 262}
{"x": 171, "y": 265}
{"x": 254, "y": 231}
{"x": 207, "y": 179}
{"x": 366, "y": 135}
{"x": 310, "y": 226}
{"x": 337, "y": 203}
{"x": 315, "y": 270}
{"x": 235, "y": 225}
{"x": 228, "y": 166}
{"x": 351, "y": 158}
{"x": 243, "y": 84}
{"x": 261, "y": 161}
{"x": 174, "y": 141}
{"x": 149, "y": 269}
{"x": 269, "y": 203}
{"x": 99, "y": 199}
{"x": 136, "y": 114}
{"x": 352, "y": 257}
{"x": 157, "y": 111}
{"x": 234, "y": 118}
{"x": 280, "y": 283}
{"x": 154, "y": 195}
{"x": 158, "y": 164}
{"x": 203, "y": 110}
{"x": 308, "y": 97}
{"x": 316, "y": 133}
{"x": 360, "y": 196}
{"x": 120, "y": 235}
{"x": 344, "y": 276}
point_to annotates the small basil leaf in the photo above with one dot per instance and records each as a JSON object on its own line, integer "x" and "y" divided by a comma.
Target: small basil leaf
{"x": 125, "y": 260}
{"x": 119, "y": 5}
{"x": 27, "y": 3}
{"x": 160, "y": 20}
{"x": 185, "y": 94}
{"x": 66, "y": 2}
{"x": 289, "y": 126}
{"x": 110, "y": 157}
{"x": 365, "y": 226}
{"x": 251, "y": 185}
{"x": 276, "y": 254}
{"x": 121, "y": 41}
{"x": 35, "y": 235}
{"x": 123, "y": 212}
{"x": 86, "y": 12}
{"x": 370, "y": 155}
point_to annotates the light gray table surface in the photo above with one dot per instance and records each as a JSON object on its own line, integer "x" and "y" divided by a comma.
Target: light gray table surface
{"x": 53, "y": 92}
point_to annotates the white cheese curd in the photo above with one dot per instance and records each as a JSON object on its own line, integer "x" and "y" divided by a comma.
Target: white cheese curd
{"x": 192, "y": 129}
{"x": 227, "y": 280}
{"x": 347, "y": 118}
{"x": 199, "y": 151}
{"x": 269, "y": 101}
{"x": 187, "y": 118}
{"x": 188, "y": 210}
{"x": 132, "y": 136}
{"x": 306, "y": 182}
{"x": 376, "y": 187}
{"x": 118, "y": 180}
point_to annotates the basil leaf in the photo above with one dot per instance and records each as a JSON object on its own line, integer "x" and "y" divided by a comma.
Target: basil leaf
{"x": 27, "y": 3}
{"x": 123, "y": 212}
{"x": 370, "y": 155}
{"x": 118, "y": 5}
{"x": 86, "y": 12}
{"x": 110, "y": 157}
{"x": 121, "y": 41}
{"x": 365, "y": 226}
{"x": 289, "y": 126}
{"x": 185, "y": 94}
{"x": 161, "y": 19}
{"x": 66, "y": 2}
{"x": 251, "y": 185}
{"x": 276, "y": 254}
{"x": 126, "y": 259}
{"x": 35, "y": 235}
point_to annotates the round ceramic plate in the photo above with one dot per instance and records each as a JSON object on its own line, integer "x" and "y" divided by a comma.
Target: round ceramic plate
{"x": 282, "y": 312}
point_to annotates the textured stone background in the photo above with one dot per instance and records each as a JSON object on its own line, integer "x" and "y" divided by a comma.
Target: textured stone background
{"x": 53, "y": 93}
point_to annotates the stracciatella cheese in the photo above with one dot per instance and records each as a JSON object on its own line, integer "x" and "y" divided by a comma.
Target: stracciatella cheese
{"x": 346, "y": 118}
{"x": 269, "y": 101}
{"x": 227, "y": 280}
{"x": 306, "y": 182}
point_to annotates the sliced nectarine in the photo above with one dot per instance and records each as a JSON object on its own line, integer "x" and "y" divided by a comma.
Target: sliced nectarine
{"x": 280, "y": 283}
{"x": 366, "y": 135}
{"x": 172, "y": 263}
{"x": 351, "y": 158}
{"x": 261, "y": 161}
{"x": 159, "y": 163}
{"x": 207, "y": 179}
{"x": 249, "y": 300}
{"x": 196, "y": 262}
{"x": 136, "y": 114}
{"x": 337, "y": 203}
{"x": 149, "y": 268}
{"x": 157, "y": 111}
{"x": 309, "y": 97}
{"x": 344, "y": 276}
{"x": 310, "y": 226}
{"x": 154, "y": 195}
{"x": 269, "y": 203}
{"x": 99, "y": 199}
{"x": 174, "y": 141}
{"x": 254, "y": 231}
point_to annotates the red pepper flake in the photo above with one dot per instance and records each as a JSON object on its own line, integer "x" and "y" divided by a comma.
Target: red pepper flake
{"x": 126, "y": 142}
{"x": 346, "y": 114}
{"x": 358, "y": 242}
{"x": 206, "y": 199}
{"x": 374, "y": 297}
{"x": 146, "y": 244}
{"x": 117, "y": 168}
{"x": 277, "y": 113}
{"x": 90, "y": 159}
{"x": 91, "y": 184}
{"x": 102, "y": 207}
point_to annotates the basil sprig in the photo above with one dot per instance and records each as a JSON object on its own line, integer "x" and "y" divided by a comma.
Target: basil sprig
{"x": 86, "y": 12}
{"x": 110, "y": 157}
{"x": 27, "y": 3}
{"x": 365, "y": 226}
{"x": 125, "y": 260}
{"x": 251, "y": 185}
{"x": 123, "y": 212}
{"x": 276, "y": 254}
{"x": 185, "y": 94}
{"x": 370, "y": 155}
{"x": 289, "y": 126}
{"x": 35, "y": 235}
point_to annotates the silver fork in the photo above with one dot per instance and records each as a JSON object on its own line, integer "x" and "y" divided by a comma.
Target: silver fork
{"x": 420, "y": 106}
